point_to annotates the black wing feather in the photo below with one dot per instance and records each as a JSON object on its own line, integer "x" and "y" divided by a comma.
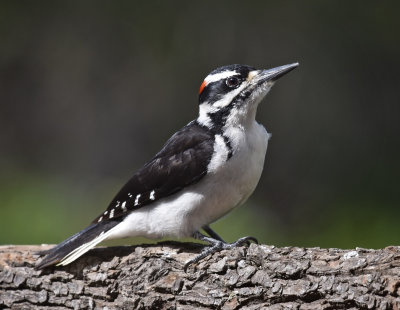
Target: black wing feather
{"x": 181, "y": 162}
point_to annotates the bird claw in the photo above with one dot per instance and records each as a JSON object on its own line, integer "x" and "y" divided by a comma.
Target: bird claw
{"x": 217, "y": 246}
{"x": 246, "y": 240}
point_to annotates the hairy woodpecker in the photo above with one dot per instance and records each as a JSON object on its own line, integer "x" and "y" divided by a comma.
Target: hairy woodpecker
{"x": 205, "y": 170}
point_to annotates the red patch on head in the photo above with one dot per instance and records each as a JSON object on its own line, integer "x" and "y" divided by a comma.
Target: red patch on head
{"x": 202, "y": 86}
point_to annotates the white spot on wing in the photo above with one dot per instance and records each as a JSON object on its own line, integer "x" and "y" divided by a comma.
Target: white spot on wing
{"x": 137, "y": 200}
{"x": 100, "y": 219}
{"x": 112, "y": 213}
{"x": 152, "y": 195}
{"x": 105, "y": 213}
{"x": 123, "y": 206}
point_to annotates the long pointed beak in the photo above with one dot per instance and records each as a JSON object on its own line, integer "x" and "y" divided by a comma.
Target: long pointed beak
{"x": 275, "y": 73}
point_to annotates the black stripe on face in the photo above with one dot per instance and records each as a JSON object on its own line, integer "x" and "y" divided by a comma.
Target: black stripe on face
{"x": 214, "y": 91}
{"x": 228, "y": 145}
{"x": 211, "y": 92}
{"x": 218, "y": 119}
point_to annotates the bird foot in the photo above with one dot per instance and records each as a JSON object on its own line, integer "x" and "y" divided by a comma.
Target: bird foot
{"x": 217, "y": 246}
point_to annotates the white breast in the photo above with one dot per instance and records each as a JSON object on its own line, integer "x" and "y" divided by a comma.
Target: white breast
{"x": 226, "y": 186}
{"x": 235, "y": 180}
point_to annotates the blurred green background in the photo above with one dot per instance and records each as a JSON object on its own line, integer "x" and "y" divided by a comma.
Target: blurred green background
{"x": 89, "y": 91}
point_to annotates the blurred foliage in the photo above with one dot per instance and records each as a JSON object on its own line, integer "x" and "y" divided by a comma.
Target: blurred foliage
{"x": 90, "y": 90}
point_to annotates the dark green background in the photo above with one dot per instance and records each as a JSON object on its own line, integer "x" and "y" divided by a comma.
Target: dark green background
{"x": 91, "y": 90}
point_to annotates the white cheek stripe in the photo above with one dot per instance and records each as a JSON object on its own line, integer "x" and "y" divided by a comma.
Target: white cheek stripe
{"x": 227, "y": 99}
{"x": 219, "y": 76}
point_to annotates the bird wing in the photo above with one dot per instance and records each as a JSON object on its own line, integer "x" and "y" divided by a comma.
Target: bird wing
{"x": 182, "y": 161}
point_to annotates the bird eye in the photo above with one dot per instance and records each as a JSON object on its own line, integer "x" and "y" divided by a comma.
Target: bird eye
{"x": 232, "y": 82}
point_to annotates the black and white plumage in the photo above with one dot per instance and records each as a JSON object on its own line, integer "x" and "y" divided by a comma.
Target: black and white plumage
{"x": 204, "y": 170}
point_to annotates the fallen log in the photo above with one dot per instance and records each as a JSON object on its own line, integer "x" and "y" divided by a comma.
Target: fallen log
{"x": 152, "y": 277}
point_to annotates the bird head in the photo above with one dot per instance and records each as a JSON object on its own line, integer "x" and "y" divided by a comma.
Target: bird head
{"x": 232, "y": 94}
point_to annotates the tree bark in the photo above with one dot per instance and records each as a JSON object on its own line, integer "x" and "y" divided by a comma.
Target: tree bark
{"x": 152, "y": 277}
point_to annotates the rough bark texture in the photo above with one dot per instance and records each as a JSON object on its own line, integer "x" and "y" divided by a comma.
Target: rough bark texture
{"x": 151, "y": 277}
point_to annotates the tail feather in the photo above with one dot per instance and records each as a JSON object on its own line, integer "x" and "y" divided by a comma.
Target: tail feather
{"x": 77, "y": 245}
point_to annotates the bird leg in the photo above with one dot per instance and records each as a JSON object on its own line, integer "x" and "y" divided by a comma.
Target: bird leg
{"x": 212, "y": 233}
{"x": 216, "y": 244}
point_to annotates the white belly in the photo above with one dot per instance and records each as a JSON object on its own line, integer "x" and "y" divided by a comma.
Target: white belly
{"x": 203, "y": 203}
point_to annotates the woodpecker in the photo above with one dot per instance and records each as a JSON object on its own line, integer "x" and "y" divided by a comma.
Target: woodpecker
{"x": 206, "y": 169}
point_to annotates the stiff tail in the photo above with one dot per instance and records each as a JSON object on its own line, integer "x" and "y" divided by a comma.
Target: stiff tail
{"x": 77, "y": 245}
